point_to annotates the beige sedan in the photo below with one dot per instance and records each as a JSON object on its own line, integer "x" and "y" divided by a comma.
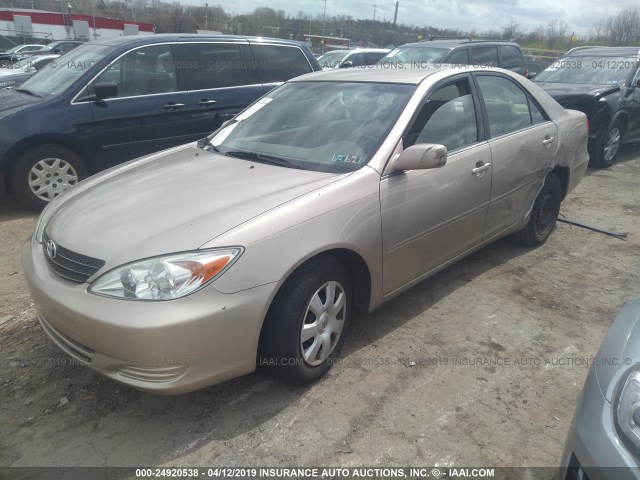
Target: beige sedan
{"x": 329, "y": 196}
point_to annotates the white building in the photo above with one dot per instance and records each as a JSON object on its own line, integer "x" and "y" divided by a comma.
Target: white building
{"x": 42, "y": 24}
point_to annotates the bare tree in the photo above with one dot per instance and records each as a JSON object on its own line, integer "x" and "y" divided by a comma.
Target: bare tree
{"x": 624, "y": 28}
{"x": 555, "y": 33}
{"x": 512, "y": 30}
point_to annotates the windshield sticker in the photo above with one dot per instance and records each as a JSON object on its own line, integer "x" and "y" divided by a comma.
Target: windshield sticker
{"x": 342, "y": 158}
{"x": 253, "y": 109}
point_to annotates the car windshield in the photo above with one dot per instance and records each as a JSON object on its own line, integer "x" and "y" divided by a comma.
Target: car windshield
{"x": 415, "y": 55}
{"x": 322, "y": 126}
{"x": 331, "y": 59}
{"x": 60, "y": 74}
{"x": 589, "y": 70}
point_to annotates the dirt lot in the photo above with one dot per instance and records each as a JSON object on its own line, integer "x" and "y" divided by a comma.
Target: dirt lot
{"x": 402, "y": 396}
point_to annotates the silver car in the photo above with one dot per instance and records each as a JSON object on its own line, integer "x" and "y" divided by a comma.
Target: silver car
{"x": 604, "y": 437}
{"x": 324, "y": 199}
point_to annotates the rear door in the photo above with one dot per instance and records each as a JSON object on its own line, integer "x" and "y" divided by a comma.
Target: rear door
{"x": 150, "y": 111}
{"x": 221, "y": 81}
{"x": 523, "y": 144}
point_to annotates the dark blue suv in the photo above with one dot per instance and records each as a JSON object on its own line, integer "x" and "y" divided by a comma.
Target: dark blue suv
{"x": 111, "y": 101}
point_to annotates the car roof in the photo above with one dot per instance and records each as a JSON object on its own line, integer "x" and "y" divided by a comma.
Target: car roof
{"x": 140, "y": 40}
{"x": 451, "y": 43}
{"x": 381, "y": 74}
{"x": 605, "y": 52}
{"x": 374, "y": 50}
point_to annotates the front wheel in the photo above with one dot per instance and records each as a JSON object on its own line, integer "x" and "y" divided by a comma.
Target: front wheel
{"x": 609, "y": 146}
{"x": 307, "y": 322}
{"x": 44, "y": 172}
{"x": 544, "y": 213}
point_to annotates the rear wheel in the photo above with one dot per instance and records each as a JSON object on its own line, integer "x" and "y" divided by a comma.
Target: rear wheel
{"x": 544, "y": 213}
{"x": 307, "y": 323}
{"x": 44, "y": 172}
{"x": 609, "y": 146}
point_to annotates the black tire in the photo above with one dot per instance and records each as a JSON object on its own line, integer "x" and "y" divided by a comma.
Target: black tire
{"x": 608, "y": 146}
{"x": 6, "y": 64}
{"x": 544, "y": 213}
{"x": 282, "y": 353}
{"x": 30, "y": 164}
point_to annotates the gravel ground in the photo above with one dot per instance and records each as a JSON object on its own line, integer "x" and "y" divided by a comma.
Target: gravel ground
{"x": 479, "y": 365}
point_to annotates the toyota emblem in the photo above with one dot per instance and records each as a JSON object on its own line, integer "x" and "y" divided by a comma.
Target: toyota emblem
{"x": 52, "y": 249}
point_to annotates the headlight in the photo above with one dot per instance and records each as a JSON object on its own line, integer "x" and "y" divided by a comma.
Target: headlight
{"x": 165, "y": 278}
{"x": 628, "y": 410}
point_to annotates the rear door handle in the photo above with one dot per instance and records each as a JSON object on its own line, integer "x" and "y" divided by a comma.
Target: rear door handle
{"x": 480, "y": 168}
{"x": 548, "y": 140}
{"x": 173, "y": 105}
{"x": 204, "y": 102}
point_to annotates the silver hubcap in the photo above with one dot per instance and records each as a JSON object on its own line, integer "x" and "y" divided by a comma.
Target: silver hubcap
{"x": 323, "y": 323}
{"x": 613, "y": 143}
{"x": 50, "y": 177}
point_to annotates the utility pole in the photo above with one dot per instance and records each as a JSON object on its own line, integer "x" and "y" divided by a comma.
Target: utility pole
{"x": 374, "y": 12}
{"x": 206, "y": 16}
{"x": 324, "y": 25}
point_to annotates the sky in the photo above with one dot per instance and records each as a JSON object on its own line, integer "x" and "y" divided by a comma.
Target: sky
{"x": 466, "y": 15}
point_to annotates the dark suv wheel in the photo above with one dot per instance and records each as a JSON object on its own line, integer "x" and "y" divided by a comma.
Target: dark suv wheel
{"x": 609, "y": 145}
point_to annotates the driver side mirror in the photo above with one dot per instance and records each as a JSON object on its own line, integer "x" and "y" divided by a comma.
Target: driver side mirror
{"x": 104, "y": 90}
{"x": 421, "y": 157}
{"x": 637, "y": 84}
{"x": 347, "y": 64}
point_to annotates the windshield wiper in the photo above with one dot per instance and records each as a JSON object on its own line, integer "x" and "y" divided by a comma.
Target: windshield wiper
{"x": 28, "y": 92}
{"x": 258, "y": 157}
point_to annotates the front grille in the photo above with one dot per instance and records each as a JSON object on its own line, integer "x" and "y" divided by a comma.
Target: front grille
{"x": 71, "y": 265}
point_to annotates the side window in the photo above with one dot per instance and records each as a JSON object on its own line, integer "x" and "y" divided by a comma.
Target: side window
{"x": 371, "y": 58}
{"x": 484, "y": 56}
{"x": 459, "y": 57}
{"x": 356, "y": 59}
{"x": 447, "y": 118}
{"x": 279, "y": 63}
{"x": 145, "y": 71}
{"x": 211, "y": 65}
{"x": 510, "y": 57}
{"x": 536, "y": 115}
{"x": 507, "y": 105}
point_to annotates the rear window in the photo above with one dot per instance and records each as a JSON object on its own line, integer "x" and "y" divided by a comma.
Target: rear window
{"x": 279, "y": 63}
{"x": 510, "y": 57}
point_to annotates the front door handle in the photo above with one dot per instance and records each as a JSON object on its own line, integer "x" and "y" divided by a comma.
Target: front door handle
{"x": 548, "y": 140}
{"x": 481, "y": 167}
{"x": 204, "y": 102}
{"x": 173, "y": 105}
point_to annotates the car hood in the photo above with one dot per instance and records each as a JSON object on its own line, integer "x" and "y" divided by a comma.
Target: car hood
{"x": 620, "y": 349}
{"x": 574, "y": 94}
{"x": 12, "y": 101}
{"x": 174, "y": 201}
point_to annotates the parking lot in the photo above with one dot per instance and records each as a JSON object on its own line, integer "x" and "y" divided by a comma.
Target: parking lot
{"x": 479, "y": 365}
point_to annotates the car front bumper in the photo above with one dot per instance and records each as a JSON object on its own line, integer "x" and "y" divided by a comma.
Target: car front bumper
{"x": 165, "y": 347}
{"x": 593, "y": 449}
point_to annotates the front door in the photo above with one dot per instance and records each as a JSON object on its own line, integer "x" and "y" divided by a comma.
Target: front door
{"x": 149, "y": 113}
{"x": 431, "y": 216}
